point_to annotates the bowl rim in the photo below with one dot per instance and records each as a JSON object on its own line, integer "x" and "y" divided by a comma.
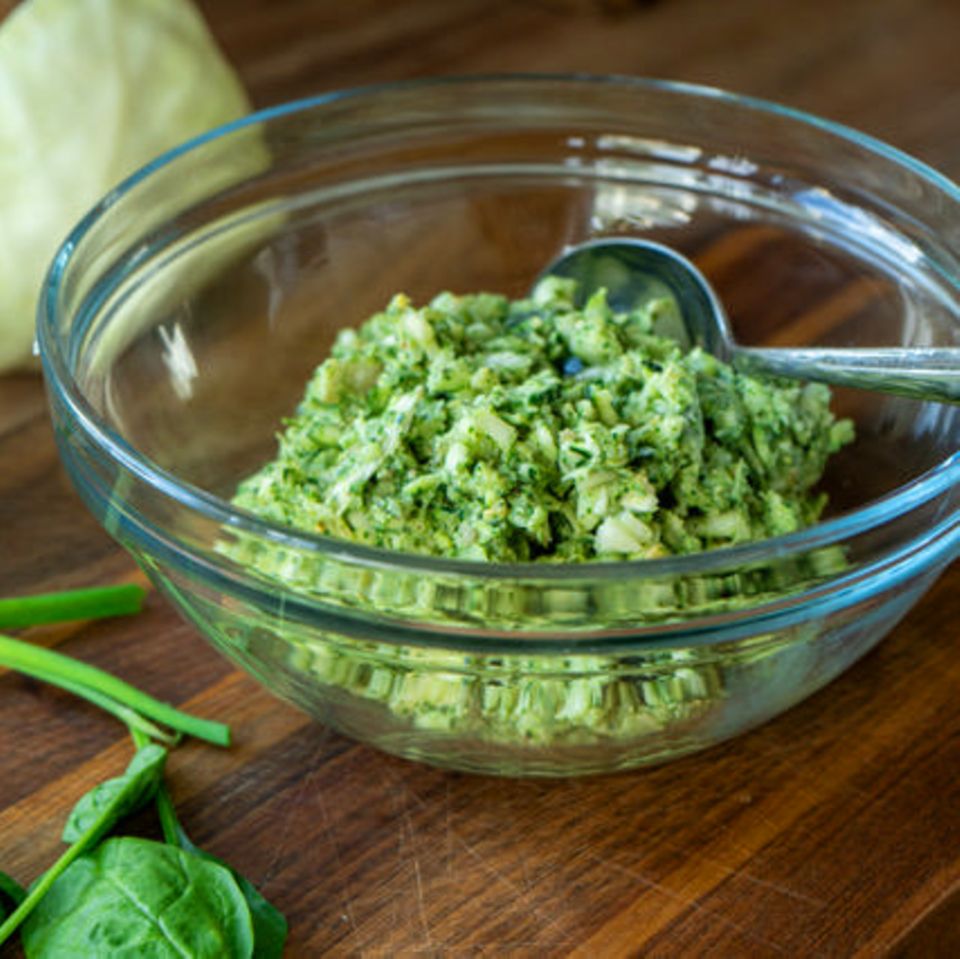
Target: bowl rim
{"x": 918, "y": 490}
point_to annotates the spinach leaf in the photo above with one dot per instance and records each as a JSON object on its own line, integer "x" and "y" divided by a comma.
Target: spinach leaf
{"x": 136, "y": 785}
{"x": 131, "y": 898}
{"x": 11, "y": 895}
{"x": 269, "y": 924}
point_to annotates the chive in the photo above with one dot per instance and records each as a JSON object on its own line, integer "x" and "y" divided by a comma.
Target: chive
{"x": 96, "y": 603}
{"x": 81, "y": 678}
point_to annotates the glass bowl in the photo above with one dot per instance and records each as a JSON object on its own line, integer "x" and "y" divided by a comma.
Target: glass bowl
{"x": 183, "y": 316}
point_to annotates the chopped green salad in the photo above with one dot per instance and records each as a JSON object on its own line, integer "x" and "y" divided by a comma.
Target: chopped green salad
{"x": 482, "y": 428}
{"x": 537, "y": 430}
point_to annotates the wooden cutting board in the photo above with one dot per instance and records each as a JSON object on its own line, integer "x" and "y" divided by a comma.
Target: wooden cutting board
{"x": 831, "y": 831}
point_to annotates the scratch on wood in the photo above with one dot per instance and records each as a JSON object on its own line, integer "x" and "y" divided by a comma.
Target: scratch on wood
{"x": 740, "y": 873}
{"x": 687, "y": 900}
{"x": 279, "y": 847}
{"x": 525, "y": 881}
{"x": 332, "y": 836}
{"x": 523, "y": 898}
{"x": 448, "y": 833}
{"x": 421, "y": 909}
{"x": 407, "y": 829}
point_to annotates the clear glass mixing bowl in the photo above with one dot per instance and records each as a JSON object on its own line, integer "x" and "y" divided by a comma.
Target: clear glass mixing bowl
{"x": 183, "y": 316}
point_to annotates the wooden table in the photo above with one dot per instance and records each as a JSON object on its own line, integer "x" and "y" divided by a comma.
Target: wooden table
{"x": 832, "y": 831}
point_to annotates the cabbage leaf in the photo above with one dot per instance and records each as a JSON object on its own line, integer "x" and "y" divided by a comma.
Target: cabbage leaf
{"x": 89, "y": 91}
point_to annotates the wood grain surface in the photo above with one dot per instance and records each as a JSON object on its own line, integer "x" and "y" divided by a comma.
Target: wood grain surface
{"x": 831, "y": 831}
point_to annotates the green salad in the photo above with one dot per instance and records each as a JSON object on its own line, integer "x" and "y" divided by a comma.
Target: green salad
{"x": 533, "y": 431}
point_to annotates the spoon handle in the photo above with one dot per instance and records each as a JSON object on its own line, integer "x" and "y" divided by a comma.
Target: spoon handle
{"x": 923, "y": 373}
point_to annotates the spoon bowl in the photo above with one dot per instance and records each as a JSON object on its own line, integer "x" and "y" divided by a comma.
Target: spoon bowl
{"x": 631, "y": 269}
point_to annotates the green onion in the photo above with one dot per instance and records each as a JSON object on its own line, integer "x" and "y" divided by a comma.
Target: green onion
{"x": 84, "y": 680}
{"x": 96, "y": 603}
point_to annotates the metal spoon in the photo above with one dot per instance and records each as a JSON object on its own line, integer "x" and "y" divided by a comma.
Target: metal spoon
{"x": 633, "y": 269}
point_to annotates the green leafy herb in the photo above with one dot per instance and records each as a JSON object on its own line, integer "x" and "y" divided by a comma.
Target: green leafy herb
{"x": 100, "y": 687}
{"x": 97, "y": 603}
{"x": 269, "y": 924}
{"x": 145, "y": 770}
{"x": 135, "y": 897}
{"x": 11, "y": 895}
